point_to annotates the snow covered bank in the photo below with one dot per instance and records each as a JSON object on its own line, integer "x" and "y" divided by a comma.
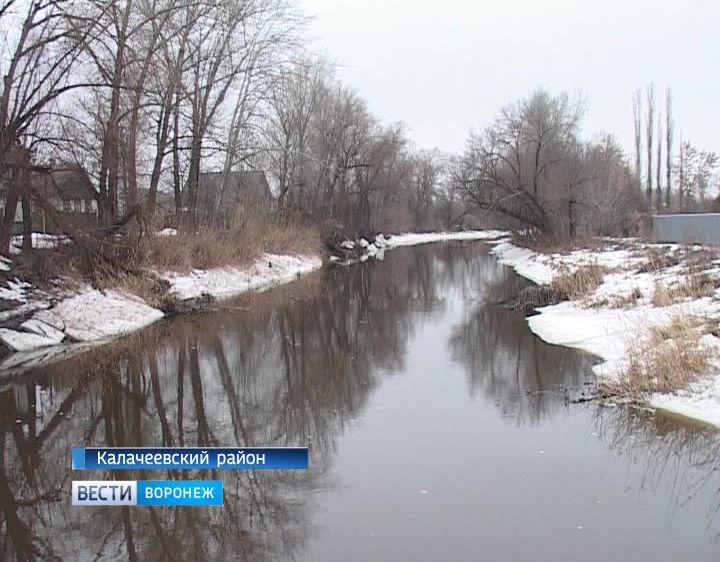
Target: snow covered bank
{"x": 225, "y": 282}
{"x": 621, "y": 311}
{"x": 411, "y": 239}
{"x": 362, "y": 249}
{"x": 88, "y": 315}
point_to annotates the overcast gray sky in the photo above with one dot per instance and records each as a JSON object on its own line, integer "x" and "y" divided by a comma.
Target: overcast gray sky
{"x": 446, "y": 66}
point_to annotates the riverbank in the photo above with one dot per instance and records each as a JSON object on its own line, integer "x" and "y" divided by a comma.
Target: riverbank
{"x": 636, "y": 292}
{"x": 42, "y": 325}
{"x": 46, "y": 323}
{"x": 654, "y": 306}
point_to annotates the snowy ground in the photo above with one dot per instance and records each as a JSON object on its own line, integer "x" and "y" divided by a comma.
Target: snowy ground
{"x": 620, "y": 312}
{"x": 39, "y": 241}
{"x": 267, "y": 271}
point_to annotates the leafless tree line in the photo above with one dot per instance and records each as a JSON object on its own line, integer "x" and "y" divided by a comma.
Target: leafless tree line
{"x": 340, "y": 165}
{"x": 690, "y": 174}
{"x": 147, "y": 94}
{"x": 531, "y": 168}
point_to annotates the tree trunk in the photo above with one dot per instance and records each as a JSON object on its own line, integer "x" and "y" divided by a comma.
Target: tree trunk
{"x": 27, "y": 222}
{"x": 8, "y": 220}
{"x": 177, "y": 188}
{"x": 191, "y": 200}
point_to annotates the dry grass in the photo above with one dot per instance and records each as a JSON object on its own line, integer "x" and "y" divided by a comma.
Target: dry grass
{"x": 659, "y": 259}
{"x": 152, "y": 289}
{"x": 579, "y": 283}
{"x": 43, "y": 267}
{"x": 257, "y": 233}
{"x": 691, "y": 286}
{"x": 571, "y": 285}
{"x": 239, "y": 245}
{"x": 669, "y": 360}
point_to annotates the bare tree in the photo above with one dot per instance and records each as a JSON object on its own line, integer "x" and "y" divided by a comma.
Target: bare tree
{"x": 110, "y": 53}
{"x": 217, "y": 58}
{"x": 164, "y": 95}
{"x": 426, "y": 176}
{"x": 268, "y": 39}
{"x": 668, "y": 144}
{"x": 658, "y": 166}
{"x": 379, "y": 167}
{"x": 697, "y": 169}
{"x": 36, "y": 73}
{"x": 681, "y": 172}
{"x": 294, "y": 102}
{"x": 649, "y": 128}
{"x": 507, "y": 169}
{"x": 637, "y": 129}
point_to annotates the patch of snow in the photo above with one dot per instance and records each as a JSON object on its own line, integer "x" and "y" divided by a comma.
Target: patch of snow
{"x": 227, "y": 282}
{"x": 606, "y": 332}
{"x": 49, "y": 317}
{"x": 15, "y": 291}
{"x": 413, "y": 239}
{"x": 167, "y": 232}
{"x": 93, "y": 316}
{"x": 701, "y": 402}
{"x": 40, "y": 241}
{"x": 98, "y": 315}
{"x": 373, "y": 250}
{"x": 526, "y": 263}
{"x": 23, "y": 309}
{"x": 42, "y": 329}
{"x": 376, "y": 248}
{"x": 24, "y": 341}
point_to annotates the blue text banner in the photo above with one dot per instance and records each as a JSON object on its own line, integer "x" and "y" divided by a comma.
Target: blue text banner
{"x": 189, "y": 458}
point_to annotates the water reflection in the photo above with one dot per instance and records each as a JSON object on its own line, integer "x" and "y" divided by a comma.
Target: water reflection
{"x": 527, "y": 379}
{"x": 293, "y": 366}
{"x": 678, "y": 458}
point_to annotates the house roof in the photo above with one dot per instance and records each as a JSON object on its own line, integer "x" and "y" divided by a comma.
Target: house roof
{"x": 66, "y": 182}
{"x": 252, "y": 183}
{"x": 72, "y": 182}
{"x": 241, "y": 186}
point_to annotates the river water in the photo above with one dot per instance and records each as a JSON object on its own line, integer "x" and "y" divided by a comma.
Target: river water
{"x": 439, "y": 428}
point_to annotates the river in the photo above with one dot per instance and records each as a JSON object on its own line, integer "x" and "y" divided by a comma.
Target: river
{"x": 439, "y": 428}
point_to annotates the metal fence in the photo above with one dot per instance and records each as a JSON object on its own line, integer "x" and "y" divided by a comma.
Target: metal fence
{"x": 701, "y": 228}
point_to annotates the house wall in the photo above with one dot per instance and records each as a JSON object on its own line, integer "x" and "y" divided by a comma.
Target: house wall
{"x": 700, "y": 228}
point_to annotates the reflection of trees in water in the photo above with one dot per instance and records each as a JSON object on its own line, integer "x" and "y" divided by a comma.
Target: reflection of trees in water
{"x": 287, "y": 367}
{"x": 526, "y": 378}
{"x": 682, "y": 457}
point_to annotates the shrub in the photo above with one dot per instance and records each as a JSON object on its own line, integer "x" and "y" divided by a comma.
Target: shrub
{"x": 691, "y": 286}
{"x": 573, "y": 285}
{"x": 241, "y": 243}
